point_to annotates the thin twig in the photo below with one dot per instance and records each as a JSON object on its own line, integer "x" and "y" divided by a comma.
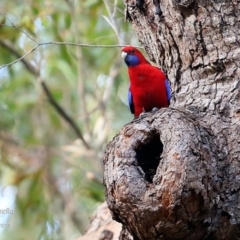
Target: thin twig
{"x": 114, "y": 23}
{"x": 60, "y": 43}
{"x": 46, "y": 90}
{"x": 115, "y": 69}
{"x": 14, "y": 26}
{"x": 27, "y": 64}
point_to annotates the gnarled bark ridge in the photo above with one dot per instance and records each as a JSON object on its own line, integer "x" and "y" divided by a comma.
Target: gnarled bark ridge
{"x": 175, "y": 173}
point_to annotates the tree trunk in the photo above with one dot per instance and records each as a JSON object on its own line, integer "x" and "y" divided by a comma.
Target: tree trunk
{"x": 102, "y": 226}
{"x": 175, "y": 173}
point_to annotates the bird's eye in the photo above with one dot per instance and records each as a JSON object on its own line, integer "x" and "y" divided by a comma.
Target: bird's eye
{"x": 132, "y": 51}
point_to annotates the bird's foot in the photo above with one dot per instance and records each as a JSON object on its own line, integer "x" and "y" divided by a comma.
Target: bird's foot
{"x": 142, "y": 114}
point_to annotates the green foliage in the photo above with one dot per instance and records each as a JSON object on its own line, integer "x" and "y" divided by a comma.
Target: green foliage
{"x": 57, "y": 180}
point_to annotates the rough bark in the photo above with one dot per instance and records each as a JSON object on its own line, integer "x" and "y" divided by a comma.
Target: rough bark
{"x": 102, "y": 226}
{"x": 174, "y": 173}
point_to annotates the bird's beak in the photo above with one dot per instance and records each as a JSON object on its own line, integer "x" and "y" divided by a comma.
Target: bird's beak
{"x": 124, "y": 54}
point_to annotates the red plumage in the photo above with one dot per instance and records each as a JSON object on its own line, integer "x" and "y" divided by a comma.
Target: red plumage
{"x": 147, "y": 82}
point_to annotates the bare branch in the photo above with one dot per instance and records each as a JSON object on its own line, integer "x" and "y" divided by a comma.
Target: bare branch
{"x": 14, "y": 26}
{"x": 46, "y": 90}
{"x": 11, "y": 49}
{"x": 113, "y": 22}
{"x": 61, "y": 43}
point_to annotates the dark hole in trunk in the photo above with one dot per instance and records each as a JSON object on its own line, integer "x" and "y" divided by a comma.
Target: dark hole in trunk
{"x": 148, "y": 156}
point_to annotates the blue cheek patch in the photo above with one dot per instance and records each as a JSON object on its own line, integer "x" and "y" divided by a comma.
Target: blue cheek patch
{"x": 131, "y": 60}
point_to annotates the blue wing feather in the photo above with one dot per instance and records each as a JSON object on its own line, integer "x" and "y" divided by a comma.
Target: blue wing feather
{"x": 130, "y": 101}
{"x": 168, "y": 89}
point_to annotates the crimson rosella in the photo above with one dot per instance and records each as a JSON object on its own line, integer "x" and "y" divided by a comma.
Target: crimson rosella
{"x": 149, "y": 87}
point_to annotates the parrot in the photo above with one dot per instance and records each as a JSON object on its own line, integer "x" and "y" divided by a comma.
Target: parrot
{"x": 149, "y": 87}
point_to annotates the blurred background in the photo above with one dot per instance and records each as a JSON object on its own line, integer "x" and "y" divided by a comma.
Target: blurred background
{"x": 51, "y": 169}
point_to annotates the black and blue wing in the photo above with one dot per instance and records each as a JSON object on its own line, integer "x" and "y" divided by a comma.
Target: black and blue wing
{"x": 130, "y": 101}
{"x": 168, "y": 89}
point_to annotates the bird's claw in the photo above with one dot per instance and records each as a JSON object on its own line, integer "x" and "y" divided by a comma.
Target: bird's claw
{"x": 142, "y": 114}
